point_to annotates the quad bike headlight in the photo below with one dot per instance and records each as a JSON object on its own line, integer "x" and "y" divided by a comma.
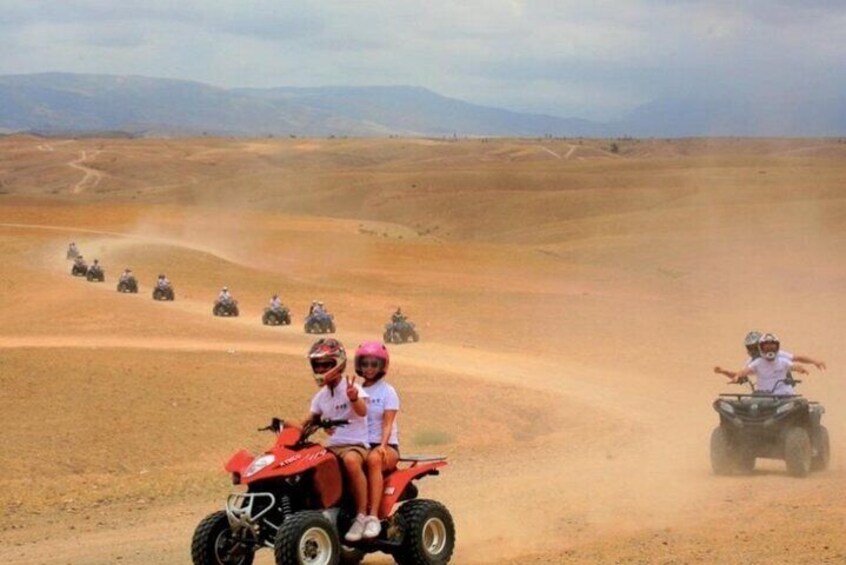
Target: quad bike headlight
{"x": 258, "y": 464}
{"x": 726, "y": 407}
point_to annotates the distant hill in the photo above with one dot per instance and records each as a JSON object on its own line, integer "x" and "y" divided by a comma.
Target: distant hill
{"x": 70, "y": 102}
{"x": 63, "y": 103}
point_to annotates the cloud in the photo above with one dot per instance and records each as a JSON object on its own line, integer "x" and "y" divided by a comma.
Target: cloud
{"x": 557, "y": 56}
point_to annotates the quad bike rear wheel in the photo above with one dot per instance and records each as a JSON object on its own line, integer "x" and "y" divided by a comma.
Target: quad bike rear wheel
{"x": 428, "y": 533}
{"x": 820, "y": 461}
{"x": 307, "y": 538}
{"x": 797, "y": 451}
{"x": 214, "y": 543}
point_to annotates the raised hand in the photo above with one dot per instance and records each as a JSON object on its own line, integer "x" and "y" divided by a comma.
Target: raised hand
{"x": 352, "y": 391}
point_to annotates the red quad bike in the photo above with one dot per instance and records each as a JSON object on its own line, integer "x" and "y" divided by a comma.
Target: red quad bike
{"x": 296, "y": 504}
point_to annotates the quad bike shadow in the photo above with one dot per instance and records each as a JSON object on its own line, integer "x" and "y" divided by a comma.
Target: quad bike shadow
{"x": 295, "y": 503}
{"x": 762, "y": 424}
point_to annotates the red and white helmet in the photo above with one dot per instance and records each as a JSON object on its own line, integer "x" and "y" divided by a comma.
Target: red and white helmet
{"x": 328, "y": 360}
{"x": 769, "y": 339}
{"x": 375, "y": 349}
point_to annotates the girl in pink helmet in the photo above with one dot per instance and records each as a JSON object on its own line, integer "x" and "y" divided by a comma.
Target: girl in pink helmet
{"x": 371, "y": 363}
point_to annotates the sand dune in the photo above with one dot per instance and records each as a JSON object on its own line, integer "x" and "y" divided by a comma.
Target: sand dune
{"x": 571, "y": 303}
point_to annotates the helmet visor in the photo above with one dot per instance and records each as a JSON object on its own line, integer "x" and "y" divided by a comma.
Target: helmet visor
{"x": 321, "y": 366}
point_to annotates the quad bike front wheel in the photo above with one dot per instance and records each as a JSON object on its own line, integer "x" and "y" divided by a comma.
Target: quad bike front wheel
{"x": 822, "y": 449}
{"x": 307, "y": 538}
{"x": 723, "y": 453}
{"x": 797, "y": 451}
{"x": 428, "y": 533}
{"x": 214, "y": 543}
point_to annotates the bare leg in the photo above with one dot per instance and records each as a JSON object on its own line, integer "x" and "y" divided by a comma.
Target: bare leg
{"x": 358, "y": 482}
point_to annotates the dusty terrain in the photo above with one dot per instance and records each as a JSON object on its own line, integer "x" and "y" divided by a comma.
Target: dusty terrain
{"x": 571, "y": 303}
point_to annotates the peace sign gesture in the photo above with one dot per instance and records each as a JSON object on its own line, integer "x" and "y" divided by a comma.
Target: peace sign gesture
{"x": 352, "y": 391}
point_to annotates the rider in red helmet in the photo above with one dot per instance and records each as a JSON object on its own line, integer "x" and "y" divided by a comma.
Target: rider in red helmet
{"x": 371, "y": 363}
{"x": 340, "y": 398}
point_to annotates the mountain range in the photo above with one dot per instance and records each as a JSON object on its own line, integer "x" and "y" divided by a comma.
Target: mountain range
{"x": 62, "y": 103}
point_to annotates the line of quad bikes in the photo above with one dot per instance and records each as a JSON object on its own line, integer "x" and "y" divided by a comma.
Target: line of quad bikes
{"x": 396, "y": 332}
{"x": 295, "y": 502}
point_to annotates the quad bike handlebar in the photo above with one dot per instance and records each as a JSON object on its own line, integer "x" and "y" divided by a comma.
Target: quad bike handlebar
{"x": 789, "y": 381}
{"x": 276, "y": 425}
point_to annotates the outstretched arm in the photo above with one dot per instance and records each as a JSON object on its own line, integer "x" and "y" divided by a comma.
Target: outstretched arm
{"x": 724, "y": 372}
{"x": 742, "y": 374}
{"x": 810, "y": 360}
{"x": 798, "y": 369}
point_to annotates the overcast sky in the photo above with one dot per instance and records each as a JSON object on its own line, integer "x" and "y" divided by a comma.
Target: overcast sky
{"x": 593, "y": 59}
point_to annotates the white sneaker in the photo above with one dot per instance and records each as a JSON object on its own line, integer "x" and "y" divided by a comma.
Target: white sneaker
{"x": 357, "y": 528}
{"x": 372, "y": 527}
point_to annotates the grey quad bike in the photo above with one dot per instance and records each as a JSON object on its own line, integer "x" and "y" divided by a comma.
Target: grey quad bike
{"x": 770, "y": 426}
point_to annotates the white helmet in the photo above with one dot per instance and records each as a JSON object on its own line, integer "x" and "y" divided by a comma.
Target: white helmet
{"x": 769, "y": 339}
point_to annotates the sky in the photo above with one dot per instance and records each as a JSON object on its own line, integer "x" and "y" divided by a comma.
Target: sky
{"x": 591, "y": 59}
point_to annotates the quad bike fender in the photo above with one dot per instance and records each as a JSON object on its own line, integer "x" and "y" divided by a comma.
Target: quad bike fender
{"x": 239, "y": 462}
{"x": 328, "y": 481}
{"x": 396, "y": 483}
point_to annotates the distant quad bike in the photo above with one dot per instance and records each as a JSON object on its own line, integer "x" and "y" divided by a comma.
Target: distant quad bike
{"x": 163, "y": 293}
{"x": 295, "y": 503}
{"x": 130, "y": 285}
{"x": 79, "y": 269}
{"x": 276, "y": 317}
{"x": 72, "y": 253}
{"x": 400, "y": 332}
{"x": 320, "y": 323}
{"x": 762, "y": 424}
{"x": 95, "y": 273}
{"x": 228, "y": 308}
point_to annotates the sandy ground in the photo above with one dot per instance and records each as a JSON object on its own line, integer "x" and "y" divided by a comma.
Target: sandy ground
{"x": 571, "y": 303}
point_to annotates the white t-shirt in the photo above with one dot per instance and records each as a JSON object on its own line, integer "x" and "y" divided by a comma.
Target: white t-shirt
{"x": 334, "y": 405}
{"x": 382, "y": 396}
{"x": 769, "y": 372}
{"x": 786, "y": 354}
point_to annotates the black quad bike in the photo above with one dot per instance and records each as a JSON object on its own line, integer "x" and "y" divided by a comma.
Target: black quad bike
{"x": 763, "y": 424}
{"x": 163, "y": 293}
{"x": 95, "y": 273}
{"x": 271, "y": 317}
{"x": 226, "y": 308}
{"x": 295, "y": 502}
{"x": 320, "y": 323}
{"x": 400, "y": 332}
{"x": 79, "y": 269}
{"x": 129, "y": 285}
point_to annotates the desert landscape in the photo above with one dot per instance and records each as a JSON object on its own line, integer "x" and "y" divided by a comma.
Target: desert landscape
{"x": 572, "y": 297}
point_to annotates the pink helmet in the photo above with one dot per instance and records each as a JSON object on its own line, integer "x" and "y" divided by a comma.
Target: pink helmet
{"x": 375, "y": 349}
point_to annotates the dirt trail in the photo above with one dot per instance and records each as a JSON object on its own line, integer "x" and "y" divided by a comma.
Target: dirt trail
{"x": 91, "y": 177}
